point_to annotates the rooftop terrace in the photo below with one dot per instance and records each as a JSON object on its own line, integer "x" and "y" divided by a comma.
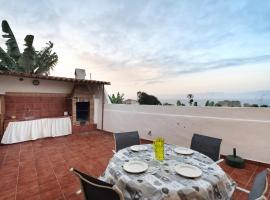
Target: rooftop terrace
{"x": 40, "y": 169}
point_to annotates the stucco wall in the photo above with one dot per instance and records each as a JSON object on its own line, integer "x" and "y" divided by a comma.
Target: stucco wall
{"x": 247, "y": 129}
{"x": 98, "y": 106}
{"x": 12, "y": 84}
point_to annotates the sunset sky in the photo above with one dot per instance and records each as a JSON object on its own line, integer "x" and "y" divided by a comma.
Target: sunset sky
{"x": 165, "y": 48}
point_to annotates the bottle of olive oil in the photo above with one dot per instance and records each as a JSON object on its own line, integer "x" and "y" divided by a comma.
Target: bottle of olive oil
{"x": 158, "y": 146}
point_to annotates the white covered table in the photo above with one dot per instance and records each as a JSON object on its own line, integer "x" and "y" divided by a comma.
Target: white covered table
{"x": 21, "y": 131}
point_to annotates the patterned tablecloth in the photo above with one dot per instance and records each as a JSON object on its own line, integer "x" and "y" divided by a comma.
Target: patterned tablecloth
{"x": 160, "y": 181}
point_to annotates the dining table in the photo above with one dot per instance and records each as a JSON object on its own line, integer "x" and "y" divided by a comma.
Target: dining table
{"x": 160, "y": 181}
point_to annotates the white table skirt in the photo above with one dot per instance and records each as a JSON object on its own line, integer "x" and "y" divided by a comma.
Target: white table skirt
{"x": 34, "y": 129}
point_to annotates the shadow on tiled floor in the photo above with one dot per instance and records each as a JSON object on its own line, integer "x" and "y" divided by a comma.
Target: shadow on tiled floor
{"x": 40, "y": 169}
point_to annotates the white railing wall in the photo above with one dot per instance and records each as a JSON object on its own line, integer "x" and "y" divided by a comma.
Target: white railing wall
{"x": 247, "y": 129}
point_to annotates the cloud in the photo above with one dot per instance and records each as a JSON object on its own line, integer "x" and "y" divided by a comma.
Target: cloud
{"x": 153, "y": 40}
{"x": 153, "y": 82}
{"x": 225, "y": 63}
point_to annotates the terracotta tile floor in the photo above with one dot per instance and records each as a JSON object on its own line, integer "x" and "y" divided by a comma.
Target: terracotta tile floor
{"x": 40, "y": 169}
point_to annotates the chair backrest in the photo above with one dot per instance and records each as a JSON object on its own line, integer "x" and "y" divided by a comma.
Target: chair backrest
{"x": 94, "y": 189}
{"x": 126, "y": 139}
{"x": 206, "y": 145}
{"x": 259, "y": 186}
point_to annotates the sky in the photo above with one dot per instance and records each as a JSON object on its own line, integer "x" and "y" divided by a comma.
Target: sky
{"x": 162, "y": 47}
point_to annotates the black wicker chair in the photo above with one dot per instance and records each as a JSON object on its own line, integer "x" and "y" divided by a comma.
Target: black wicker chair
{"x": 206, "y": 145}
{"x": 94, "y": 189}
{"x": 126, "y": 139}
{"x": 259, "y": 187}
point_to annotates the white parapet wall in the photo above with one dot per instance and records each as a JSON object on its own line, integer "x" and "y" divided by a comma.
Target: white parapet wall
{"x": 246, "y": 129}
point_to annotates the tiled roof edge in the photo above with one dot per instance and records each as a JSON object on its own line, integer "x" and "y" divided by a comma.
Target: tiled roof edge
{"x": 55, "y": 78}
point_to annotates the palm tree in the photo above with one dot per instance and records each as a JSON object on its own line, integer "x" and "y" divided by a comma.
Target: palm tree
{"x": 190, "y": 99}
{"x": 118, "y": 99}
{"x": 30, "y": 61}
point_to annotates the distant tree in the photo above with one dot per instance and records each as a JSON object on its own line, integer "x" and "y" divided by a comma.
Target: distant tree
{"x": 264, "y": 106}
{"x": 255, "y": 105}
{"x": 190, "y": 99}
{"x": 146, "y": 99}
{"x": 178, "y": 103}
{"x": 167, "y": 104}
{"x": 195, "y": 103}
{"x": 117, "y": 99}
{"x": 218, "y": 105}
{"x": 212, "y": 103}
{"x": 207, "y": 103}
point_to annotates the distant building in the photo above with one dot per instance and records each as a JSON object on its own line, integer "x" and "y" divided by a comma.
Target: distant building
{"x": 227, "y": 103}
{"x": 130, "y": 101}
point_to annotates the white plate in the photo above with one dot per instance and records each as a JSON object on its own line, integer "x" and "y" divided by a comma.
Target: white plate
{"x": 135, "y": 167}
{"x": 138, "y": 148}
{"x": 183, "y": 151}
{"x": 188, "y": 171}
